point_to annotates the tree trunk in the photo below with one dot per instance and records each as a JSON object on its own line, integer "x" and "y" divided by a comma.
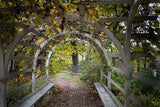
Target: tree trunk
{"x": 75, "y": 66}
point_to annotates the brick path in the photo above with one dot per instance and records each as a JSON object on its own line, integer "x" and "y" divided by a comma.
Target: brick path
{"x": 71, "y": 94}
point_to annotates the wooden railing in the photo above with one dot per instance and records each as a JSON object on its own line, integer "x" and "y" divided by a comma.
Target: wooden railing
{"x": 142, "y": 78}
{"x": 18, "y": 89}
{"x": 105, "y": 2}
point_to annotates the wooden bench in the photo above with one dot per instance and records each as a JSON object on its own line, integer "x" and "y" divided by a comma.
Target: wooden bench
{"x": 106, "y": 96}
{"x": 32, "y": 99}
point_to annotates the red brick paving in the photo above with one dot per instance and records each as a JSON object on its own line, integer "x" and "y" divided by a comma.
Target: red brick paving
{"x": 71, "y": 94}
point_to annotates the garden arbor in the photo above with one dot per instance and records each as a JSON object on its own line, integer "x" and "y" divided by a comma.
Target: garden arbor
{"x": 30, "y": 31}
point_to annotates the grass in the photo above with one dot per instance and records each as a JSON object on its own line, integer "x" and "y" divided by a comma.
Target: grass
{"x": 69, "y": 76}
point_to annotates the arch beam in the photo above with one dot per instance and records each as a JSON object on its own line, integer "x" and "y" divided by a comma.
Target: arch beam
{"x": 69, "y": 39}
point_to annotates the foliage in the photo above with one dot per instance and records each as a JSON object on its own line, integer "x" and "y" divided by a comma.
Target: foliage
{"x": 57, "y": 65}
{"x": 18, "y": 96}
{"x": 145, "y": 92}
{"x": 118, "y": 78}
{"x": 67, "y": 75}
{"x": 118, "y": 94}
{"x": 61, "y": 60}
{"x": 43, "y": 14}
{"x": 90, "y": 70}
{"x": 40, "y": 83}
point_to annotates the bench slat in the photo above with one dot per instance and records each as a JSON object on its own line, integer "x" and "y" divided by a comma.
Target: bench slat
{"x": 105, "y": 97}
{"x": 33, "y": 99}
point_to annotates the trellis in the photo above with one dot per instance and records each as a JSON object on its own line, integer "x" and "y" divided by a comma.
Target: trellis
{"x": 124, "y": 51}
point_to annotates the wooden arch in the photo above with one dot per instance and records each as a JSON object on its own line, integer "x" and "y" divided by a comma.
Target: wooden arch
{"x": 61, "y": 34}
{"x": 67, "y": 40}
{"x": 124, "y": 51}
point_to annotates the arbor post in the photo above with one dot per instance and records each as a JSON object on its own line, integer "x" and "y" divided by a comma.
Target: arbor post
{"x": 127, "y": 90}
{"x": 33, "y": 80}
{"x": 34, "y": 74}
{"x": 3, "y": 79}
{"x": 47, "y": 74}
{"x": 128, "y": 70}
{"x": 101, "y": 75}
{"x": 109, "y": 79}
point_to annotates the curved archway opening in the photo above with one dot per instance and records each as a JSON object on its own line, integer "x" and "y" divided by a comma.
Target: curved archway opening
{"x": 80, "y": 59}
{"x": 68, "y": 40}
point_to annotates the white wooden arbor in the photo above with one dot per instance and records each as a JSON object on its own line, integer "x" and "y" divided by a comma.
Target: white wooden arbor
{"x": 99, "y": 26}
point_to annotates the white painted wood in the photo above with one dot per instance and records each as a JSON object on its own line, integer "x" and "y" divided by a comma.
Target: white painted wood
{"x": 9, "y": 75}
{"x": 113, "y": 19}
{"x": 101, "y": 75}
{"x": 127, "y": 63}
{"x": 29, "y": 95}
{"x": 140, "y": 54}
{"x": 16, "y": 40}
{"x": 22, "y": 87}
{"x": 112, "y": 95}
{"x": 26, "y": 57}
{"x": 104, "y": 75}
{"x": 122, "y": 19}
{"x": 114, "y": 55}
{"x": 40, "y": 78}
{"x": 153, "y": 82}
{"x": 47, "y": 74}
{"x": 28, "y": 44}
{"x": 118, "y": 69}
{"x": 21, "y": 57}
{"x": 118, "y": 45}
{"x": 38, "y": 34}
{"x": 67, "y": 40}
{"x": 33, "y": 80}
{"x": 28, "y": 102}
{"x": 98, "y": 27}
{"x": 3, "y": 80}
{"x": 109, "y": 79}
{"x": 70, "y": 32}
{"x": 82, "y": 15}
{"x": 18, "y": 89}
{"x": 127, "y": 93}
{"x": 118, "y": 86}
{"x": 106, "y": 2}
{"x": 125, "y": 55}
{"x": 114, "y": 83}
{"x": 105, "y": 97}
{"x": 23, "y": 26}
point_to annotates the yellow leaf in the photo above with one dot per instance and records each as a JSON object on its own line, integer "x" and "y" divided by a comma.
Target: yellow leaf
{"x": 24, "y": 18}
{"x": 37, "y": 20}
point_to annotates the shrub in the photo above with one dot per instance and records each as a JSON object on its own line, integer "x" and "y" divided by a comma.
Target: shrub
{"x": 90, "y": 70}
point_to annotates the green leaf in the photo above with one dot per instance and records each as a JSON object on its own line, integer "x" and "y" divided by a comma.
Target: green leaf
{"x": 156, "y": 23}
